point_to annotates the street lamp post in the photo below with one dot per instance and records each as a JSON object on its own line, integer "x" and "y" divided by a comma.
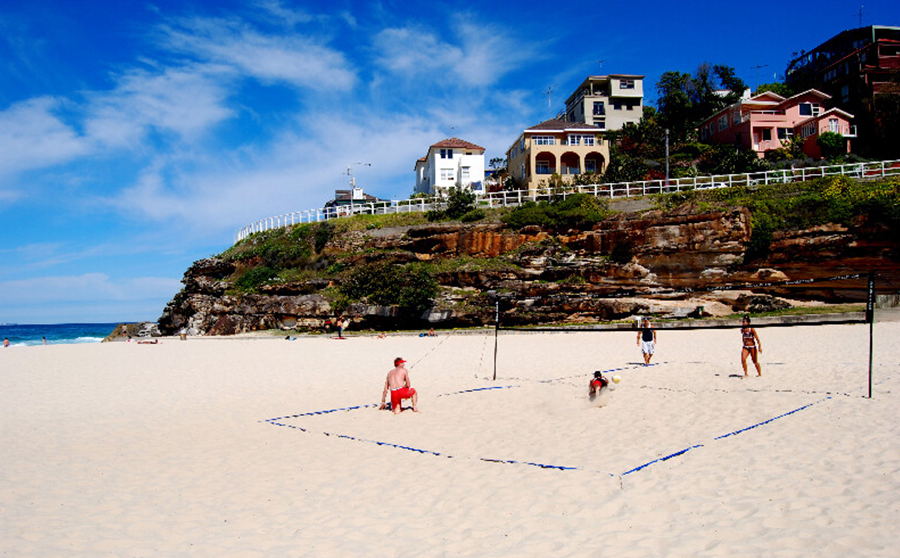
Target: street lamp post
{"x": 667, "y": 158}
{"x": 353, "y": 182}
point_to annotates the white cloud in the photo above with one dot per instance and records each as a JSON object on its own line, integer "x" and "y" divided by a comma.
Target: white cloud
{"x": 32, "y": 136}
{"x": 185, "y": 101}
{"x": 294, "y": 58}
{"x": 85, "y": 288}
{"x": 473, "y": 55}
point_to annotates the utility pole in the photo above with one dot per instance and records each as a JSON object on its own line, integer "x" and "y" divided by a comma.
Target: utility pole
{"x": 353, "y": 182}
{"x": 667, "y": 157}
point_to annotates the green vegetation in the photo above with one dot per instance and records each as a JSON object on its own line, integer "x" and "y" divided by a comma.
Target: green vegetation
{"x": 460, "y": 203}
{"x": 410, "y": 287}
{"x": 575, "y": 211}
{"x": 779, "y": 207}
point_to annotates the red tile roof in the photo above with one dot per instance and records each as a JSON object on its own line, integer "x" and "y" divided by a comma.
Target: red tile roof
{"x": 457, "y": 143}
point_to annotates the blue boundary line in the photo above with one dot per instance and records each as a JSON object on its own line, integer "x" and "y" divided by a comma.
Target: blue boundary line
{"x": 275, "y": 422}
{"x": 661, "y": 459}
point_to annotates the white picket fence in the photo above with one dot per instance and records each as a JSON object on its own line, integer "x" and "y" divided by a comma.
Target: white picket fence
{"x": 873, "y": 169}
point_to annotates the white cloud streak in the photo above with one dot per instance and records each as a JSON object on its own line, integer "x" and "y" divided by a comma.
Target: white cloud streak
{"x": 85, "y": 288}
{"x": 184, "y": 101}
{"x": 296, "y": 59}
{"x": 32, "y": 136}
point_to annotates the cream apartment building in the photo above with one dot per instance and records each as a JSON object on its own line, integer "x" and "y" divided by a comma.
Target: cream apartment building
{"x": 608, "y": 102}
{"x": 556, "y": 147}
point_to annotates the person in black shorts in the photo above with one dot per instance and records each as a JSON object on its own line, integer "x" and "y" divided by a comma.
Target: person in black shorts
{"x": 646, "y": 338}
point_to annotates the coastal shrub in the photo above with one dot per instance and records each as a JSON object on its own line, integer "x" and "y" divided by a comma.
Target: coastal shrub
{"x": 409, "y": 287}
{"x": 255, "y": 278}
{"x": 323, "y": 234}
{"x": 459, "y": 202}
{"x": 575, "y": 211}
{"x": 435, "y": 215}
{"x": 472, "y": 216}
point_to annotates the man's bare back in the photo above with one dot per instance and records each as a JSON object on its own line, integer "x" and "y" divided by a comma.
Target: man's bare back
{"x": 398, "y": 385}
{"x": 398, "y": 378}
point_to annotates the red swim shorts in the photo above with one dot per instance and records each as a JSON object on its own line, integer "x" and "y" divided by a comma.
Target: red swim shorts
{"x": 398, "y": 394}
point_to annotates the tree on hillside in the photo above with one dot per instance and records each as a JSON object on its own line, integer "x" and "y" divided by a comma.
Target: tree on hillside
{"x": 832, "y": 144}
{"x": 685, "y": 100}
{"x": 777, "y": 88}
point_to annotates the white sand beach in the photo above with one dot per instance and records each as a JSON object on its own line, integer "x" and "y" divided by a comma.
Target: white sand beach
{"x": 206, "y": 447}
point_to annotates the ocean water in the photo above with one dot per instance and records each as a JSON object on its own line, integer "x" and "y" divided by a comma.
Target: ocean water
{"x": 56, "y": 334}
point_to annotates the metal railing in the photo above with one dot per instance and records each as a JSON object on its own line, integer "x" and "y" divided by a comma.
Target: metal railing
{"x": 874, "y": 169}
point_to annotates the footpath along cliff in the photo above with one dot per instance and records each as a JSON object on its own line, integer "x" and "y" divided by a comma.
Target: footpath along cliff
{"x": 596, "y": 267}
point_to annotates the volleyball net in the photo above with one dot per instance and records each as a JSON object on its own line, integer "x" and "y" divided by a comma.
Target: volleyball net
{"x": 856, "y": 287}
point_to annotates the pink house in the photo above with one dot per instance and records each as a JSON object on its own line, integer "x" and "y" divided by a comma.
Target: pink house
{"x": 768, "y": 121}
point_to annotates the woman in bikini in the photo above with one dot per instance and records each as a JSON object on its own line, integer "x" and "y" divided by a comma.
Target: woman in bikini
{"x": 751, "y": 345}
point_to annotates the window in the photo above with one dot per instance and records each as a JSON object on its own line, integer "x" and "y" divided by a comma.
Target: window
{"x": 626, "y": 84}
{"x": 810, "y": 109}
{"x": 464, "y": 176}
{"x": 736, "y": 118}
{"x": 767, "y": 134}
{"x": 704, "y": 132}
{"x": 522, "y": 171}
{"x": 809, "y": 129}
{"x": 617, "y": 106}
{"x": 723, "y": 122}
{"x": 580, "y": 139}
{"x": 833, "y": 125}
{"x": 447, "y": 174}
{"x": 544, "y": 140}
{"x": 446, "y": 153}
{"x": 542, "y": 167}
{"x": 590, "y": 165}
{"x": 785, "y": 133}
{"x": 599, "y": 108}
{"x": 845, "y": 94}
{"x": 600, "y": 124}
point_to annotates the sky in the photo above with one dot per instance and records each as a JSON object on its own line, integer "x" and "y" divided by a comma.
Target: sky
{"x": 137, "y": 137}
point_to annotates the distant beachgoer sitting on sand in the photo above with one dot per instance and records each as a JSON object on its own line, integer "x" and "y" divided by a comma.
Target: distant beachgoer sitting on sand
{"x": 145, "y": 342}
{"x": 382, "y": 335}
{"x": 751, "y": 345}
{"x": 597, "y": 383}
{"x": 397, "y": 383}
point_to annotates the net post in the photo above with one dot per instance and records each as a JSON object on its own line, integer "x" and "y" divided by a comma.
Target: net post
{"x": 496, "y": 333}
{"x": 870, "y": 317}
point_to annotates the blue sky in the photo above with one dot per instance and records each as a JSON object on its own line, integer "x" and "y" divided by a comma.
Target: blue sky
{"x": 137, "y": 137}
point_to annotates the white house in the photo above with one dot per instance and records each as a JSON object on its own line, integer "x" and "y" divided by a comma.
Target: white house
{"x": 448, "y": 163}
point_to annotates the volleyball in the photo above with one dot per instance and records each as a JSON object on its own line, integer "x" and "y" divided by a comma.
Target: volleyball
{"x": 616, "y": 378}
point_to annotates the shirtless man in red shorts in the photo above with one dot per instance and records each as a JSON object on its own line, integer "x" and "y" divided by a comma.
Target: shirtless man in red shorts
{"x": 397, "y": 383}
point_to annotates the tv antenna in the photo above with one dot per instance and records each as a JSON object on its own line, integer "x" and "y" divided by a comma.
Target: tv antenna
{"x": 860, "y": 15}
{"x": 757, "y": 72}
{"x": 601, "y": 64}
{"x": 549, "y": 94}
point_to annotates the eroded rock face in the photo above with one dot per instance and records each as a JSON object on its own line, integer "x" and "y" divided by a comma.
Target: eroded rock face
{"x": 539, "y": 276}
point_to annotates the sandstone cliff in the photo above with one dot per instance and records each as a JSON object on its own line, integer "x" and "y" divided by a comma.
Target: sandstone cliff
{"x": 614, "y": 270}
